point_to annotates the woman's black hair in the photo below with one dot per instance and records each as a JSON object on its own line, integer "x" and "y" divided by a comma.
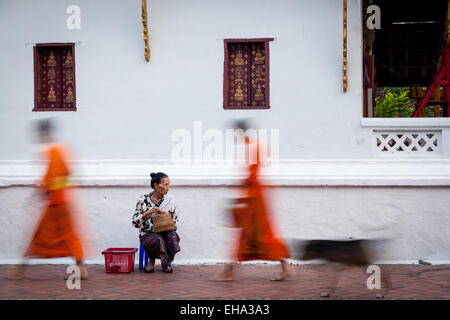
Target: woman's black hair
{"x": 157, "y": 177}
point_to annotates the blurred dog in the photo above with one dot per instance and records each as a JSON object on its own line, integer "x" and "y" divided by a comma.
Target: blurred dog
{"x": 341, "y": 254}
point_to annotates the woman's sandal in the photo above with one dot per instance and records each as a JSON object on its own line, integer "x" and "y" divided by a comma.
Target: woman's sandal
{"x": 151, "y": 267}
{"x": 151, "y": 270}
{"x": 168, "y": 270}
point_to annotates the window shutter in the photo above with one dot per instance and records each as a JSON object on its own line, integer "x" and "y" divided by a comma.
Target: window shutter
{"x": 54, "y": 77}
{"x": 258, "y": 74}
{"x": 238, "y": 63}
{"x": 246, "y": 74}
{"x": 51, "y": 78}
{"x": 68, "y": 78}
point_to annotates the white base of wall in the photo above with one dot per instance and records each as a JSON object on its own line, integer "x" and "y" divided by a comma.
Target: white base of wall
{"x": 65, "y": 261}
{"x": 406, "y": 201}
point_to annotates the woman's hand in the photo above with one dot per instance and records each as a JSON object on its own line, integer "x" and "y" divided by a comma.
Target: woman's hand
{"x": 160, "y": 211}
{"x": 151, "y": 211}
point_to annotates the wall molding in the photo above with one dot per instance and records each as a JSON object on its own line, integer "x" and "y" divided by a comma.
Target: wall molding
{"x": 135, "y": 173}
{"x": 406, "y": 123}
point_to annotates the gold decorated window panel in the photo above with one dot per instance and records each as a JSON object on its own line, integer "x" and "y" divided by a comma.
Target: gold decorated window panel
{"x": 54, "y": 77}
{"x": 246, "y": 75}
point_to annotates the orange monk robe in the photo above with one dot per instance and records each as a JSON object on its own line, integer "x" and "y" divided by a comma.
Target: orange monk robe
{"x": 257, "y": 239}
{"x": 54, "y": 236}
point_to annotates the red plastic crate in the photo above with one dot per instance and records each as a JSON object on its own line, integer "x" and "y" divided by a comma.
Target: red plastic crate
{"x": 119, "y": 260}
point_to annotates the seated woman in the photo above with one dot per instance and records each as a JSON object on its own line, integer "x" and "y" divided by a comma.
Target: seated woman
{"x": 163, "y": 245}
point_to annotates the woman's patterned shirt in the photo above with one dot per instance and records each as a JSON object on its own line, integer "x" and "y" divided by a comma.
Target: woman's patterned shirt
{"x": 144, "y": 204}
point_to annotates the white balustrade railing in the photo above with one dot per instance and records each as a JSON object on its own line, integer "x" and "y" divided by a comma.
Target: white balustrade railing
{"x": 408, "y": 142}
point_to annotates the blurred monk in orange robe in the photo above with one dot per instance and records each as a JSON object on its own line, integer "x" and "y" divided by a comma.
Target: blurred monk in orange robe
{"x": 55, "y": 235}
{"x": 251, "y": 214}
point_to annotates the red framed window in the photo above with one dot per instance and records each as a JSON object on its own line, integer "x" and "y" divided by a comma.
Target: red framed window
{"x": 54, "y": 77}
{"x": 246, "y": 74}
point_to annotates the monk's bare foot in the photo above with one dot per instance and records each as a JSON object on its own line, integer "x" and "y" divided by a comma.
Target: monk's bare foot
{"x": 283, "y": 275}
{"x": 280, "y": 277}
{"x": 286, "y": 271}
{"x": 222, "y": 276}
{"x": 84, "y": 272}
{"x": 225, "y": 275}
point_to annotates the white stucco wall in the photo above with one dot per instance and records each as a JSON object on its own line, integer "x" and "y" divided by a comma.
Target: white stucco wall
{"x": 128, "y": 110}
{"x": 130, "y": 107}
{"x": 415, "y": 219}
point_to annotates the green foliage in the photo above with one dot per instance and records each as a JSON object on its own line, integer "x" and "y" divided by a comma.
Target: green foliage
{"x": 396, "y": 90}
{"x": 429, "y": 112}
{"x": 395, "y": 104}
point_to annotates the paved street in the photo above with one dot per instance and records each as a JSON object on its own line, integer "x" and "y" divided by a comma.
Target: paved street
{"x": 252, "y": 282}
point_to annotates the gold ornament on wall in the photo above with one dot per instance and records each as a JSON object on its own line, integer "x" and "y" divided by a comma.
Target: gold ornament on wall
{"x": 345, "y": 83}
{"x": 144, "y": 23}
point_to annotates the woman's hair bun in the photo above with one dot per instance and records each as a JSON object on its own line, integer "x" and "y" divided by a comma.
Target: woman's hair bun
{"x": 156, "y": 178}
